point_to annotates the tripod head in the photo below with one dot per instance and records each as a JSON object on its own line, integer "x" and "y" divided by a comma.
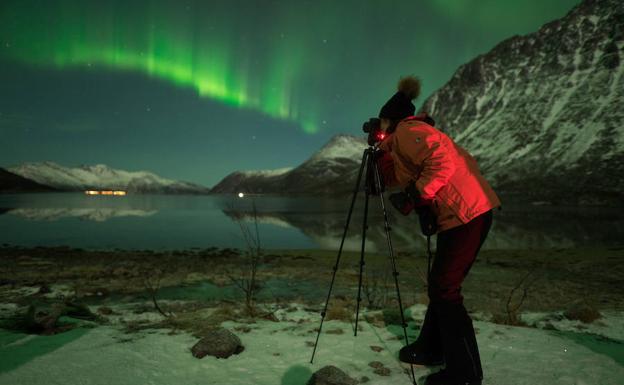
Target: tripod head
{"x": 375, "y": 133}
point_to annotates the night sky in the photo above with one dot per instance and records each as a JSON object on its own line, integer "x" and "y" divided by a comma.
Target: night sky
{"x": 194, "y": 90}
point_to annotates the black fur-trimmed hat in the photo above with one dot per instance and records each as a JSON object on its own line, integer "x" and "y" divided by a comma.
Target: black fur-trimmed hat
{"x": 400, "y": 104}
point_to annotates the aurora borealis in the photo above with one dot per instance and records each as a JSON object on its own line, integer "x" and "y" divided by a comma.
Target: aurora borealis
{"x": 190, "y": 46}
{"x": 195, "y": 89}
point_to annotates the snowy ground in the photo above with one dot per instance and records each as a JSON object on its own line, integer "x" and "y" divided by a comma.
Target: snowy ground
{"x": 279, "y": 353}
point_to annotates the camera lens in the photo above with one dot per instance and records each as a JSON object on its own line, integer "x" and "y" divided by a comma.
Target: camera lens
{"x": 372, "y": 125}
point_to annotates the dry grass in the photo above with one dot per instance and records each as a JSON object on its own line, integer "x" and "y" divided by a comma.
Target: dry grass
{"x": 341, "y": 310}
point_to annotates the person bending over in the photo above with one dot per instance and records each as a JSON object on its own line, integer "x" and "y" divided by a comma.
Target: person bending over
{"x": 444, "y": 185}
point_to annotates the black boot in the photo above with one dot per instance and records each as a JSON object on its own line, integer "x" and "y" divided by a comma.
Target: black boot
{"x": 461, "y": 353}
{"x": 443, "y": 377}
{"x": 427, "y": 349}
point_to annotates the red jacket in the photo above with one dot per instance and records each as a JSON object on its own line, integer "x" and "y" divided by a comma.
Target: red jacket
{"x": 442, "y": 171}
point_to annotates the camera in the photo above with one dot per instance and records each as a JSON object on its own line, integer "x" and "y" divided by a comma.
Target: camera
{"x": 373, "y": 128}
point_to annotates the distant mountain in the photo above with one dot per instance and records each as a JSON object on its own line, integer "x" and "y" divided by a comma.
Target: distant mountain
{"x": 332, "y": 169}
{"x": 102, "y": 177}
{"x": 262, "y": 181}
{"x": 543, "y": 113}
{"x": 12, "y": 183}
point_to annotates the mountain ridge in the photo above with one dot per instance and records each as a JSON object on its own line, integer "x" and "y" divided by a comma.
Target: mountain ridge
{"x": 13, "y": 183}
{"x": 541, "y": 111}
{"x": 100, "y": 177}
{"x": 326, "y": 171}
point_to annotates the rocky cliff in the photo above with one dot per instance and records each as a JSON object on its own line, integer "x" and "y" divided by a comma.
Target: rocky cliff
{"x": 543, "y": 113}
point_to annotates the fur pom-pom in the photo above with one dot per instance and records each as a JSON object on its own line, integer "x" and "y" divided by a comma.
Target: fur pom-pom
{"x": 410, "y": 86}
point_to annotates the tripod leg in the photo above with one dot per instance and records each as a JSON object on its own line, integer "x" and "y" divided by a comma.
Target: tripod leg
{"x": 395, "y": 272}
{"x": 369, "y": 162}
{"x": 365, "y": 157}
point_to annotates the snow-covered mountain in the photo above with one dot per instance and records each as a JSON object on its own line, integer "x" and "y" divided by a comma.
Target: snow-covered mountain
{"x": 12, "y": 183}
{"x": 102, "y": 177}
{"x": 543, "y": 113}
{"x": 332, "y": 169}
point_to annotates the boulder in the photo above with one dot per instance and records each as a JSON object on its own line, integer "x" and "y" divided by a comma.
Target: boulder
{"x": 331, "y": 375}
{"x": 220, "y": 343}
{"x": 43, "y": 318}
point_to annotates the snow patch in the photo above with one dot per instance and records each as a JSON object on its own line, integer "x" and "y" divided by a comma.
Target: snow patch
{"x": 277, "y": 352}
{"x": 267, "y": 173}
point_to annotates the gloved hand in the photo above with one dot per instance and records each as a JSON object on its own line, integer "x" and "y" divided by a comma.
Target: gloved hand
{"x": 402, "y": 202}
{"x": 410, "y": 200}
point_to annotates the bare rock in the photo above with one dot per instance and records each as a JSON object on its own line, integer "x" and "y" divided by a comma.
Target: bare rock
{"x": 330, "y": 375}
{"x": 43, "y": 318}
{"x": 385, "y": 372}
{"x": 380, "y": 369}
{"x": 220, "y": 343}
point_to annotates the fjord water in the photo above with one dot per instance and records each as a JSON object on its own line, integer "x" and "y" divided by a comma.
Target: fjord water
{"x": 162, "y": 222}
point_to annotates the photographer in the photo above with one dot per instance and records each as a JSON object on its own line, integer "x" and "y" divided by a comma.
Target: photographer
{"x": 443, "y": 184}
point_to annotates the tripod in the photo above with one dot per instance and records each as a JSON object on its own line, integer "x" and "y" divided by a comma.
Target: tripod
{"x": 373, "y": 180}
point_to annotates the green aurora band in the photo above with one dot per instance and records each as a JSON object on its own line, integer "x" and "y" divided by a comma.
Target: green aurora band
{"x": 298, "y": 61}
{"x": 188, "y": 47}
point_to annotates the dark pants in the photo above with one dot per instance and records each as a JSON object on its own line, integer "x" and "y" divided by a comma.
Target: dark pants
{"x": 456, "y": 251}
{"x": 447, "y": 330}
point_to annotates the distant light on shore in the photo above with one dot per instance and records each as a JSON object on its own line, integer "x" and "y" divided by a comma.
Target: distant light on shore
{"x": 105, "y": 192}
{"x": 241, "y": 195}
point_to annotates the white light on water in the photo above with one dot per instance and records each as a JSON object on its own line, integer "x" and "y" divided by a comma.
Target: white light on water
{"x": 241, "y": 195}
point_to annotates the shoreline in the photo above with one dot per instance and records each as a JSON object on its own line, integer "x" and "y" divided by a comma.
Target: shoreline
{"x": 554, "y": 279}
